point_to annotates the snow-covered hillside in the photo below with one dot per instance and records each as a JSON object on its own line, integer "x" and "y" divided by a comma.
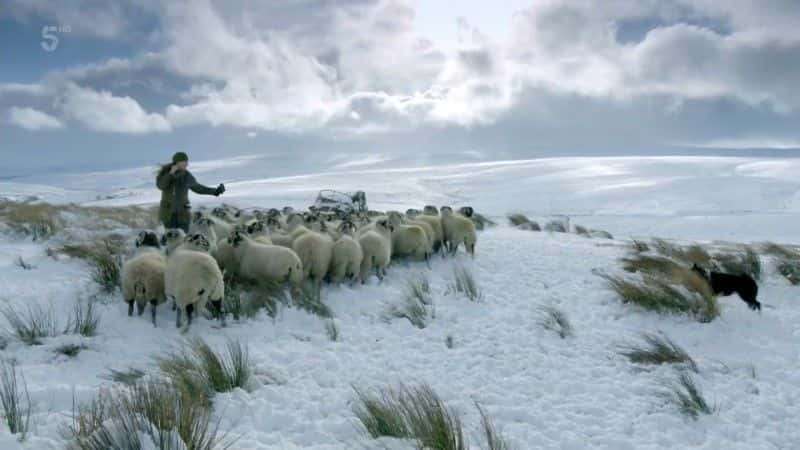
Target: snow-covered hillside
{"x": 542, "y": 391}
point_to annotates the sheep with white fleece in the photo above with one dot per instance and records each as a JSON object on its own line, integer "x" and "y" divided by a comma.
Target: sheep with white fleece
{"x": 143, "y": 276}
{"x": 266, "y": 262}
{"x": 347, "y": 254}
{"x": 458, "y": 229}
{"x": 376, "y": 245}
{"x": 408, "y": 240}
{"x": 192, "y": 279}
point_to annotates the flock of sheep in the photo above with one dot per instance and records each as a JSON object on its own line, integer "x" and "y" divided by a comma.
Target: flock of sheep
{"x": 281, "y": 246}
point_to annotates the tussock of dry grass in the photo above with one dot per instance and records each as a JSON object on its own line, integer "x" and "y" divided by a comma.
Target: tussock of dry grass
{"x": 688, "y": 397}
{"x": 494, "y": 440}
{"x": 657, "y": 295}
{"x": 657, "y": 349}
{"x": 15, "y": 400}
{"x": 42, "y": 220}
{"x": 517, "y": 219}
{"x": 482, "y": 222}
{"x": 787, "y": 261}
{"x": 411, "y": 412}
{"x": 557, "y": 226}
{"x": 104, "y": 257}
{"x": 555, "y": 320}
{"x": 464, "y": 282}
{"x": 583, "y": 231}
{"x": 745, "y": 261}
{"x": 691, "y": 254}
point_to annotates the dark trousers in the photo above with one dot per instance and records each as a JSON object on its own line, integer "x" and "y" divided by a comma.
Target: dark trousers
{"x": 175, "y": 222}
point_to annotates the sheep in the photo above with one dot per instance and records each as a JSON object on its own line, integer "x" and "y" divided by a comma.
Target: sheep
{"x": 266, "y": 262}
{"x": 172, "y": 239}
{"x": 458, "y": 229}
{"x": 347, "y": 254}
{"x": 221, "y": 227}
{"x": 206, "y": 227}
{"x": 143, "y": 276}
{"x": 192, "y": 278}
{"x": 259, "y": 232}
{"x": 277, "y": 237}
{"x": 408, "y": 240}
{"x": 376, "y": 245}
{"x": 315, "y": 251}
{"x": 433, "y": 221}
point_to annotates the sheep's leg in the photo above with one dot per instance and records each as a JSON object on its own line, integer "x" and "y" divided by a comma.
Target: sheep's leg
{"x": 217, "y": 304}
{"x": 174, "y": 305}
{"x": 130, "y": 308}
{"x": 153, "y": 311}
{"x": 140, "y": 308}
{"x": 178, "y": 316}
{"x": 189, "y": 312}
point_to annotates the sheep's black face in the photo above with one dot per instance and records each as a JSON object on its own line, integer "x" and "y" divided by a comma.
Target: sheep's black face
{"x": 235, "y": 239}
{"x": 411, "y": 212}
{"x": 347, "y": 227}
{"x": 199, "y": 241}
{"x": 272, "y": 212}
{"x": 287, "y": 210}
{"x": 273, "y": 223}
{"x": 147, "y": 239}
{"x": 219, "y": 212}
{"x": 197, "y": 215}
{"x": 171, "y": 234}
{"x": 255, "y": 227}
{"x": 466, "y": 211}
{"x": 430, "y": 209}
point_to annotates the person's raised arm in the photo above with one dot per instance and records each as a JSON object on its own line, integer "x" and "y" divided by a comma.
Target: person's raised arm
{"x": 202, "y": 189}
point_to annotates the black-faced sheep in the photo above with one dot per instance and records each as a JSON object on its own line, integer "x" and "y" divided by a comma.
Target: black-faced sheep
{"x": 193, "y": 278}
{"x": 376, "y": 245}
{"x": 264, "y": 262}
{"x": 347, "y": 254}
{"x": 458, "y": 229}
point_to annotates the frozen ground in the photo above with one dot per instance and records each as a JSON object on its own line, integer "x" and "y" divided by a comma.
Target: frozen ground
{"x": 541, "y": 390}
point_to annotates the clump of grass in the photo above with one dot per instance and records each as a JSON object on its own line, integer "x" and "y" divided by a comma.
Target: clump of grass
{"x": 24, "y": 265}
{"x": 414, "y": 310}
{"x": 71, "y": 349}
{"x": 557, "y": 226}
{"x": 146, "y": 415}
{"x": 787, "y": 261}
{"x": 669, "y": 271}
{"x": 601, "y": 234}
{"x": 449, "y": 342}
{"x": 639, "y": 246}
{"x": 38, "y": 220}
{"x": 494, "y": 440}
{"x": 128, "y": 377}
{"x": 653, "y": 294}
{"x": 84, "y": 320}
{"x": 691, "y": 254}
{"x": 309, "y": 299}
{"x": 31, "y": 327}
{"x": 657, "y": 349}
{"x": 245, "y": 298}
{"x": 745, "y": 261}
{"x": 200, "y": 371}
{"x": 332, "y": 330}
{"x": 464, "y": 282}
{"x": 555, "y": 320}
{"x": 380, "y": 414}
{"x": 411, "y": 412}
{"x": 583, "y": 231}
{"x": 517, "y": 219}
{"x": 16, "y": 402}
{"x": 688, "y": 397}
{"x": 419, "y": 287}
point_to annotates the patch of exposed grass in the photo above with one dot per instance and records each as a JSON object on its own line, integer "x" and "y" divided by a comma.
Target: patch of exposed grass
{"x": 639, "y": 246}
{"x": 309, "y": 299}
{"x": 38, "y": 220}
{"x": 34, "y": 325}
{"x": 449, "y": 342}
{"x": 691, "y": 254}
{"x": 464, "y": 282}
{"x": 687, "y": 396}
{"x": 419, "y": 287}
{"x": 414, "y": 310}
{"x": 85, "y": 320}
{"x": 787, "y": 261}
{"x": 16, "y": 402}
{"x": 583, "y": 231}
{"x": 517, "y": 219}
{"x": 145, "y": 415}
{"x": 657, "y": 295}
{"x": 411, "y": 412}
{"x": 332, "y": 330}
{"x": 197, "y": 369}
{"x": 70, "y": 350}
{"x": 555, "y": 320}
{"x": 669, "y": 271}
{"x": 128, "y": 377}
{"x": 246, "y": 299}
{"x": 482, "y": 222}
{"x": 494, "y": 440}
{"x": 557, "y": 226}
{"x": 657, "y": 349}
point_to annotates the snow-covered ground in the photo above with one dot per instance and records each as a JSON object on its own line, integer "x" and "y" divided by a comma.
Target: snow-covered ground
{"x": 542, "y": 391}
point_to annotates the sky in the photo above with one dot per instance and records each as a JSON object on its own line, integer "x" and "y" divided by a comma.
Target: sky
{"x": 90, "y": 84}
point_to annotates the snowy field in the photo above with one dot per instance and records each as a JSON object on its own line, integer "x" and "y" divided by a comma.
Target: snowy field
{"x": 541, "y": 391}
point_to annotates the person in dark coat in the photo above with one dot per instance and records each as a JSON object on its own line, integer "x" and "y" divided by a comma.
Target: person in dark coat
{"x": 174, "y": 181}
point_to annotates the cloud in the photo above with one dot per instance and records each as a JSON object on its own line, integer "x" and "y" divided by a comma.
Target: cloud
{"x": 102, "y": 111}
{"x": 32, "y": 119}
